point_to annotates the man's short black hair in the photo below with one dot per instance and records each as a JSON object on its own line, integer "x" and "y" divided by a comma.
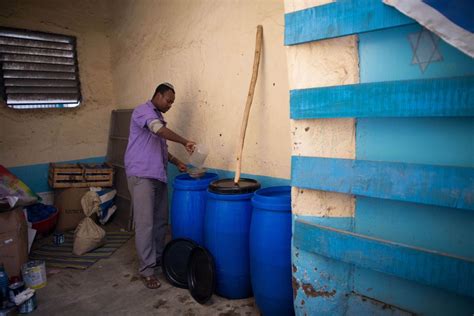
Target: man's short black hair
{"x": 163, "y": 87}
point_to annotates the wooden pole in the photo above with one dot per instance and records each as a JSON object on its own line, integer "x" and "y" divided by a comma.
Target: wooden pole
{"x": 253, "y": 81}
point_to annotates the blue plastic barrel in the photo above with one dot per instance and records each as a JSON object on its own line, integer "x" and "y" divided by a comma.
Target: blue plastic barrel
{"x": 189, "y": 205}
{"x": 270, "y": 250}
{"x": 226, "y": 235}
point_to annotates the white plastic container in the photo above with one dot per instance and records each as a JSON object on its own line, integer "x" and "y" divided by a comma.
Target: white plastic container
{"x": 199, "y": 155}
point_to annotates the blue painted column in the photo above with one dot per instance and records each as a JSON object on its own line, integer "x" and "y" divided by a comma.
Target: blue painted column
{"x": 414, "y": 113}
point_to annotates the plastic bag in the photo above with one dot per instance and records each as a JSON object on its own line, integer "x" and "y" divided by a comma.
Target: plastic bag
{"x": 107, "y": 203}
{"x": 88, "y": 235}
{"x": 13, "y": 192}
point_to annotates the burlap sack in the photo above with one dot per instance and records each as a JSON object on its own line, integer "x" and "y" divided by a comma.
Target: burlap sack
{"x": 88, "y": 235}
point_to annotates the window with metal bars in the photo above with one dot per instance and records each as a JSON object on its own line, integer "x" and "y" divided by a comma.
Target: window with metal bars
{"x": 38, "y": 70}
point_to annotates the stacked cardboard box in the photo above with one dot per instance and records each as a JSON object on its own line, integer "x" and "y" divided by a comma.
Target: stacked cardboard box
{"x": 68, "y": 202}
{"x": 13, "y": 241}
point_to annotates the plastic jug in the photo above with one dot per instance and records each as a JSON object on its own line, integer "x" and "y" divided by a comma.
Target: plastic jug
{"x": 199, "y": 155}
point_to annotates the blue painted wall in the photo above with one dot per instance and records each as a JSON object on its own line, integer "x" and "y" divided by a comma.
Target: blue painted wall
{"x": 437, "y": 141}
{"x": 435, "y": 97}
{"x": 386, "y": 55}
{"x": 36, "y": 176}
{"x": 329, "y": 287}
{"x": 340, "y": 18}
{"x": 344, "y": 223}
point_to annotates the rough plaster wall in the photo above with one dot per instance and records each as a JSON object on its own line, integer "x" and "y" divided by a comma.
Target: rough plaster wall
{"x": 322, "y": 203}
{"x": 318, "y": 64}
{"x": 323, "y": 63}
{"x": 39, "y": 136}
{"x": 296, "y": 5}
{"x": 206, "y": 49}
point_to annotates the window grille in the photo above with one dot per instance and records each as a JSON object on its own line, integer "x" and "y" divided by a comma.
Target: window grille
{"x": 38, "y": 70}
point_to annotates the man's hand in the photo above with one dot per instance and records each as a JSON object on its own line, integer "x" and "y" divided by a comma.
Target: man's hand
{"x": 168, "y": 134}
{"x": 182, "y": 167}
{"x": 190, "y": 145}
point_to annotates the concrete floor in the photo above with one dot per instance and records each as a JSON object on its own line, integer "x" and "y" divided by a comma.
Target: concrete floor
{"x": 112, "y": 286}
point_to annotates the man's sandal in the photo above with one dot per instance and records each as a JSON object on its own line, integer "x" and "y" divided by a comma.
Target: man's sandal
{"x": 151, "y": 282}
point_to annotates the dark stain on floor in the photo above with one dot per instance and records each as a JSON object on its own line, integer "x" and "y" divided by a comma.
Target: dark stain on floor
{"x": 232, "y": 312}
{"x": 183, "y": 299}
{"x": 160, "y": 303}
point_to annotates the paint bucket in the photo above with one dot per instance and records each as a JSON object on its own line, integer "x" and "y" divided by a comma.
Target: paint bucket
{"x": 270, "y": 251}
{"x": 15, "y": 289}
{"x": 34, "y": 274}
{"x": 28, "y": 306}
{"x": 188, "y": 206}
{"x": 226, "y": 234}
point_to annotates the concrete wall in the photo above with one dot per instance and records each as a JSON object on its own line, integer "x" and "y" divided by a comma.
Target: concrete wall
{"x": 442, "y": 141}
{"x": 323, "y": 63}
{"x": 326, "y": 283}
{"x": 206, "y": 49}
{"x": 32, "y": 137}
{"x": 318, "y": 64}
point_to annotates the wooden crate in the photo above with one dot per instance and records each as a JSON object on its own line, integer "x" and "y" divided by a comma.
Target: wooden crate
{"x": 80, "y": 175}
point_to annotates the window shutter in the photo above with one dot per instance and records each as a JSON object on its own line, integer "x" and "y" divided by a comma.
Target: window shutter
{"x": 38, "y": 70}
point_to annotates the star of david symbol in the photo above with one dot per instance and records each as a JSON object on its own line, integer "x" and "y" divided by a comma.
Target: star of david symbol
{"x": 424, "y": 45}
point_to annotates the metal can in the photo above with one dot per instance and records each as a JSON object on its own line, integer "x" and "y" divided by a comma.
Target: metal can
{"x": 58, "y": 238}
{"x": 15, "y": 289}
{"x": 28, "y": 306}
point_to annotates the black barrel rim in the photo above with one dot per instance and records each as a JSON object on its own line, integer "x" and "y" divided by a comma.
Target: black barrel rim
{"x": 227, "y": 186}
{"x": 175, "y": 261}
{"x": 201, "y": 275}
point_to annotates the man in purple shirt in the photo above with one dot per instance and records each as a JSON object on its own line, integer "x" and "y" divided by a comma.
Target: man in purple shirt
{"x": 146, "y": 160}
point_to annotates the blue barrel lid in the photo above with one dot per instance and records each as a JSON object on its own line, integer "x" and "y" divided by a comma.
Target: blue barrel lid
{"x": 184, "y": 181}
{"x": 273, "y": 198}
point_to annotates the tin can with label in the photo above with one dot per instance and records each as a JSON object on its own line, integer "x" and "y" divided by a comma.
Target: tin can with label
{"x": 28, "y": 306}
{"x": 34, "y": 274}
{"x": 15, "y": 289}
{"x": 58, "y": 238}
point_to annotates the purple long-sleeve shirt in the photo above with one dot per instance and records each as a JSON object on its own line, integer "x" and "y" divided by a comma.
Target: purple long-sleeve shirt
{"x": 147, "y": 153}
